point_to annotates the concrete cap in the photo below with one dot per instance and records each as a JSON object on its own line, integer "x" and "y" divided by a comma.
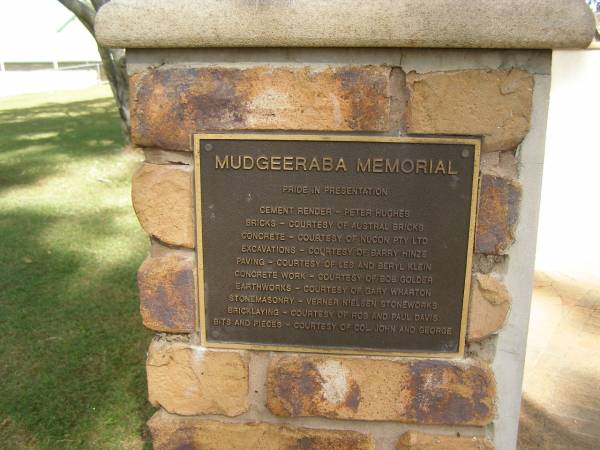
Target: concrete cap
{"x": 345, "y": 23}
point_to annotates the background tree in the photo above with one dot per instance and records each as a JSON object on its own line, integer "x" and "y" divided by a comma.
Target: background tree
{"x": 113, "y": 60}
{"x": 595, "y": 5}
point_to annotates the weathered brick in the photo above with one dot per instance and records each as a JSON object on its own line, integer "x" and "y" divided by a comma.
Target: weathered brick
{"x": 410, "y": 391}
{"x": 187, "y": 379}
{"x": 162, "y": 200}
{"x": 497, "y": 214}
{"x": 169, "y": 104}
{"x": 413, "y": 440}
{"x": 167, "y": 293}
{"x": 488, "y": 307}
{"x": 175, "y": 432}
{"x": 492, "y": 103}
{"x": 159, "y": 156}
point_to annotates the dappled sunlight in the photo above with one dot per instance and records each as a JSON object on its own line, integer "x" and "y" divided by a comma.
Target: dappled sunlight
{"x": 62, "y": 134}
{"x": 542, "y": 430}
{"x": 72, "y": 345}
{"x": 24, "y": 101}
{"x": 110, "y": 177}
{"x": 561, "y": 406}
{"x": 37, "y": 136}
{"x": 100, "y": 234}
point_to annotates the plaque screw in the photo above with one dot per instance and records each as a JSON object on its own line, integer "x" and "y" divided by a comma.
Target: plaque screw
{"x": 208, "y": 147}
{"x": 464, "y": 153}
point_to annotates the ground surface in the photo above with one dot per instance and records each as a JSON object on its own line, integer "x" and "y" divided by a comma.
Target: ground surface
{"x": 561, "y": 400}
{"x": 72, "y": 346}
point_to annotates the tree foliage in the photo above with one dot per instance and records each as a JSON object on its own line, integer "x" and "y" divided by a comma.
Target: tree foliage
{"x": 113, "y": 60}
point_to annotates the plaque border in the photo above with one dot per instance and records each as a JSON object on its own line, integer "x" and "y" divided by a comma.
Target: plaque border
{"x": 200, "y": 317}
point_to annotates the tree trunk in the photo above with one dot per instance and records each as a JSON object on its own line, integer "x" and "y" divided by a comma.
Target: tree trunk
{"x": 113, "y": 61}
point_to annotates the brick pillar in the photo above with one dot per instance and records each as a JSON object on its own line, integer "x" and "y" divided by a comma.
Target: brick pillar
{"x": 200, "y": 66}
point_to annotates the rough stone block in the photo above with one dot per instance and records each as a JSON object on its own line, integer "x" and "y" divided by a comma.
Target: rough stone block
{"x": 174, "y": 432}
{"x": 162, "y": 200}
{"x": 412, "y": 440}
{"x": 167, "y": 293}
{"x": 159, "y": 156}
{"x": 488, "y": 308}
{"x": 169, "y": 104}
{"x": 187, "y": 379}
{"x": 345, "y": 23}
{"x": 497, "y": 214}
{"x": 492, "y": 103}
{"x": 410, "y": 391}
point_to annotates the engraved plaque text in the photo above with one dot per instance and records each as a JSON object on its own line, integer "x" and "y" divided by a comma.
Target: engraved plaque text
{"x": 345, "y": 244}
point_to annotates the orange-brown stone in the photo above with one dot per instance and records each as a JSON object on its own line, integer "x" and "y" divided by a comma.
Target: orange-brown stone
{"x": 413, "y": 440}
{"x": 162, "y": 200}
{"x": 187, "y": 379}
{"x": 167, "y": 105}
{"x": 488, "y": 307}
{"x": 167, "y": 293}
{"x": 497, "y": 214}
{"x": 174, "y": 432}
{"x": 495, "y": 104}
{"x": 411, "y": 391}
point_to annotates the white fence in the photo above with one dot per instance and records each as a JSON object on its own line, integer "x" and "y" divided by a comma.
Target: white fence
{"x": 15, "y": 82}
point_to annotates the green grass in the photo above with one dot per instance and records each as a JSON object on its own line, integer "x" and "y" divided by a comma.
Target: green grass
{"x": 72, "y": 346}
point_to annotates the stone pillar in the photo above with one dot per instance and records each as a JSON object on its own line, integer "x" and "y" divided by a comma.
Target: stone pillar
{"x": 383, "y": 67}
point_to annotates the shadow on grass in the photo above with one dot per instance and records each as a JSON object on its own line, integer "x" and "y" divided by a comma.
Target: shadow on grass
{"x": 36, "y": 141}
{"x": 541, "y": 430}
{"x": 72, "y": 346}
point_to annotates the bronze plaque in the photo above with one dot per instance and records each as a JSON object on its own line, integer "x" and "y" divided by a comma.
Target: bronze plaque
{"x": 346, "y": 244}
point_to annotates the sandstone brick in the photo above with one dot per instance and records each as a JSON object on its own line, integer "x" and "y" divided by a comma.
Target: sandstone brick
{"x": 488, "y": 263}
{"x": 169, "y": 104}
{"x": 488, "y": 308}
{"x": 410, "y": 391}
{"x": 497, "y": 214}
{"x": 174, "y": 432}
{"x": 492, "y": 103}
{"x": 162, "y": 200}
{"x": 452, "y": 24}
{"x": 159, "y": 156}
{"x": 167, "y": 293}
{"x": 188, "y": 379}
{"x": 501, "y": 164}
{"x": 412, "y": 440}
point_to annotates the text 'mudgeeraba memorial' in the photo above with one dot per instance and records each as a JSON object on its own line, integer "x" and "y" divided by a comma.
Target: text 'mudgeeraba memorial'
{"x": 341, "y": 198}
{"x": 359, "y": 244}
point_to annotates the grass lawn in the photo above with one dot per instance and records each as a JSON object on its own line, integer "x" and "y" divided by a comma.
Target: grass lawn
{"x": 72, "y": 346}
